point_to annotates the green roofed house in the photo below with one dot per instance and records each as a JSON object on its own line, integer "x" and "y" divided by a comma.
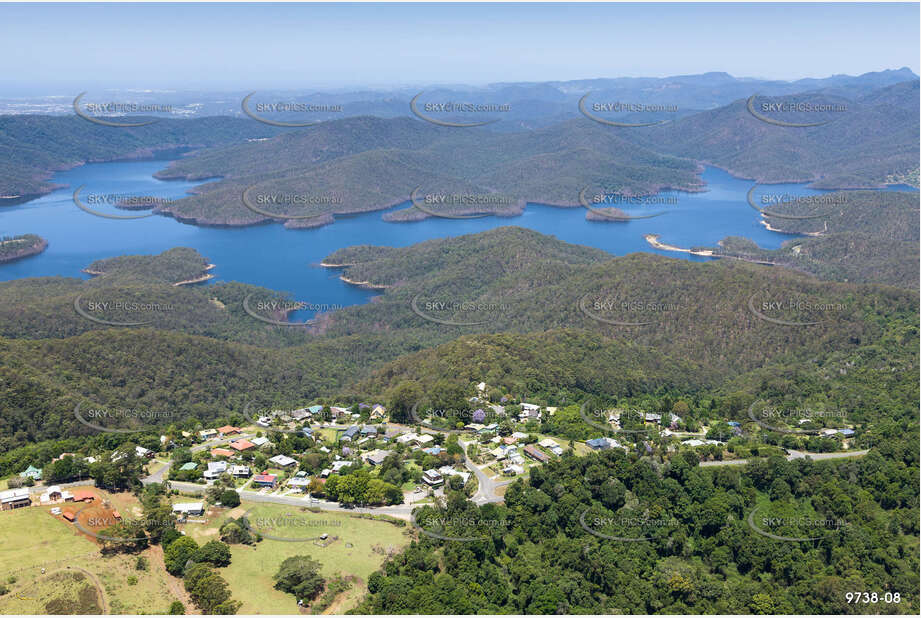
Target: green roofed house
{"x": 32, "y": 471}
{"x": 191, "y": 465}
{"x": 315, "y": 409}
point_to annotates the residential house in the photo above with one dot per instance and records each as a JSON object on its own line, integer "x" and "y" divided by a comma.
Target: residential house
{"x": 512, "y": 470}
{"x": 519, "y": 435}
{"x": 221, "y": 452}
{"x": 32, "y": 472}
{"x": 378, "y": 411}
{"x": 349, "y": 433}
{"x": 514, "y": 458}
{"x": 282, "y": 461}
{"x": 315, "y": 409}
{"x": 299, "y": 415}
{"x": 264, "y": 480}
{"x": 264, "y": 421}
{"x": 652, "y": 417}
{"x": 535, "y": 453}
{"x": 369, "y": 431}
{"x": 15, "y": 498}
{"x": 376, "y": 457}
{"x": 299, "y": 482}
{"x": 189, "y": 465}
{"x": 215, "y": 470}
{"x": 189, "y": 508}
{"x": 207, "y": 434}
{"x": 406, "y": 438}
{"x": 228, "y": 430}
{"x": 423, "y": 439}
{"x": 552, "y": 446}
{"x": 339, "y": 465}
{"x": 84, "y": 495}
{"x": 56, "y": 494}
{"x": 240, "y": 472}
{"x": 433, "y": 478}
{"x": 339, "y": 412}
{"x": 260, "y": 442}
{"x": 847, "y": 433}
{"x": 498, "y": 453}
{"x": 242, "y": 445}
{"x": 450, "y": 471}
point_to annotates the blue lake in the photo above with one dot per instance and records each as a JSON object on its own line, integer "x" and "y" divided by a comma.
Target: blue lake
{"x": 282, "y": 259}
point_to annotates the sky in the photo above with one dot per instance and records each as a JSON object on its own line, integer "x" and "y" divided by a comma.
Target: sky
{"x": 253, "y": 46}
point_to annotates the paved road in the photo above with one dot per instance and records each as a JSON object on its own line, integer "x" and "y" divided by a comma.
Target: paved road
{"x": 402, "y": 511}
{"x": 486, "y": 491}
{"x": 793, "y": 455}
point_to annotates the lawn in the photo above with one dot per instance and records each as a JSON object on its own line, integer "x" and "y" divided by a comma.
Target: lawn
{"x": 75, "y": 571}
{"x": 360, "y": 549}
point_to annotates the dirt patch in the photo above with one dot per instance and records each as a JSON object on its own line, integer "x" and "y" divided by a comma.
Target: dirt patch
{"x": 173, "y": 583}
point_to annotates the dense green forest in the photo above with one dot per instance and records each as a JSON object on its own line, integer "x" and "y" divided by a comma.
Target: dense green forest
{"x": 371, "y": 163}
{"x": 875, "y": 137}
{"x": 33, "y": 146}
{"x": 539, "y": 552}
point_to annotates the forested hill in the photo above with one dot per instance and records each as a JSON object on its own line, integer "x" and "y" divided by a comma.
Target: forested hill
{"x": 33, "y": 146}
{"x": 558, "y": 544}
{"x": 873, "y": 137}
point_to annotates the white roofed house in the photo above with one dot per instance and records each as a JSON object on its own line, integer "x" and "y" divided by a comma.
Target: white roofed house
{"x": 282, "y": 461}
{"x": 189, "y": 508}
{"x": 240, "y": 471}
{"x": 215, "y": 469}
{"x": 15, "y": 498}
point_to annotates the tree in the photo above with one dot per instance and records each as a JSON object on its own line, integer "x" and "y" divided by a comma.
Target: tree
{"x": 209, "y": 591}
{"x": 300, "y": 576}
{"x": 213, "y": 552}
{"x": 176, "y": 608}
{"x": 401, "y": 400}
{"x": 178, "y": 553}
{"x": 230, "y": 498}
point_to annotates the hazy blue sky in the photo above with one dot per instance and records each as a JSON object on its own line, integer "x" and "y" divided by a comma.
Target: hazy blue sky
{"x": 313, "y": 45}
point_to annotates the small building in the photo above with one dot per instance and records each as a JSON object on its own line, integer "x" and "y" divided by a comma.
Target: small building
{"x": 598, "y": 444}
{"x": 15, "y": 498}
{"x": 450, "y": 471}
{"x": 188, "y": 466}
{"x": 299, "y": 415}
{"x": 376, "y": 457}
{"x": 652, "y": 417}
{"x": 301, "y": 483}
{"x": 512, "y": 470}
{"x": 369, "y": 430}
{"x": 282, "y": 461}
{"x": 349, "y": 433}
{"x": 215, "y": 469}
{"x": 240, "y": 472}
{"x": 56, "y": 494}
{"x": 339, "y": 412}
{"x": 433, "y": 478}
{"x": 207, "y": 434}
{"x": 535, "y": 453}
{"x": 847, "y": 433}
{"x": 31, "y": 472}
{"x": 260, "y": 442}
{"x": 423, "y": 439}
{"x": 406, "y": 438}
{"x": 515, "y": 459}
{"x": 264, "y": 421}
{"x": 142, "y": 452}
{"x": 242, "y": 445}
{"x": 69, "y": 516}
{"x": 189, "y": 508}
{"x": 265, "y": 480}
{"x": 83, "y": 495}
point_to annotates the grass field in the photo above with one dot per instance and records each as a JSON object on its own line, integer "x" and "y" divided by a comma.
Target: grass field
{"x": 77, "y": 577}
{"x": 360, "y": 549}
